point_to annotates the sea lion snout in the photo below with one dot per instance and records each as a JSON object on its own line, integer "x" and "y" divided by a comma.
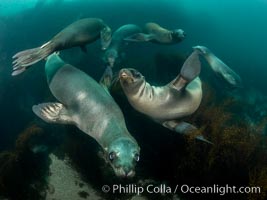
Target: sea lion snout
{"x": 123, "y": 156}
{"x": 125, "y": 75}
{"x": 180, "y": 33}
{"x": 129, "y": 75}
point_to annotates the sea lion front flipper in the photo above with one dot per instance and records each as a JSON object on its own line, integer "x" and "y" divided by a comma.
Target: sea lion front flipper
{"x": 184, "y": 128}
{"x": 53, "y": 113}
{"x": 140, "y": 37}
{"x": 190, "y": 70}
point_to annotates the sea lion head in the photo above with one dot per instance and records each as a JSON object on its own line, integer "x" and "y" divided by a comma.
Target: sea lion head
{"x": 131, "y": 80}
{"x": 123, "y": 153}
{"x": 110, "y": 57}
{"x": 105, "y": 34}
{"x": 178, "y": 35}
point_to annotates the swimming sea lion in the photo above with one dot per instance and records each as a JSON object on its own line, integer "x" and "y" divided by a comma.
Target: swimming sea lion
{"x": 117, "y": 42}
{"x": 157, "y": 34}
{"x": 85, "y": 104}
{"x": 112, "y": 54}
{"x": 166, "y": 104}
{"x": 219, "y": 67}
{"x": 79, "y": 33}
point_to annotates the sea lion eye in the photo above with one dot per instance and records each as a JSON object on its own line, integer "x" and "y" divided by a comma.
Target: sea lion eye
{"x": 112, "y": 156}
{"x": 136, "y": 157}
{"x": 136, "y": 74}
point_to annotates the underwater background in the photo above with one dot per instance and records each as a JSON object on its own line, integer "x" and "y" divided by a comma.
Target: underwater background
{"x": 235, "y": 120}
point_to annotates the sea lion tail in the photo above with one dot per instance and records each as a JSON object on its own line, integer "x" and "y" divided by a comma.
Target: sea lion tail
{"x": 26, "y": 58}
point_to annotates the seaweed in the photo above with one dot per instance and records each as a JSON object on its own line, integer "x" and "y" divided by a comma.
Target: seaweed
{"x": 23, "y": 172}
{"x": 238, "y": 155}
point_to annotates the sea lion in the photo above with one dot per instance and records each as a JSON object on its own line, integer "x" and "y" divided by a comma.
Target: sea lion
{"x": 85, "y": 104}
{"x": 157, "y": 34}
{"x": 79, "y": 33}
{"x": 112, "y": 53}
{"x": 219, "y": 67}
{"x": 166, "y": 104}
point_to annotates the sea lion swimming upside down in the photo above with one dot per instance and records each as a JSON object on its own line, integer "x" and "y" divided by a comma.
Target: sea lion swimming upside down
{"x": 167, "y": 104}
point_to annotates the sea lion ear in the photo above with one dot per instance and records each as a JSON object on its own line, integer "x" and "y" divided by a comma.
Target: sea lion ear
{"x": 105, "y": 36}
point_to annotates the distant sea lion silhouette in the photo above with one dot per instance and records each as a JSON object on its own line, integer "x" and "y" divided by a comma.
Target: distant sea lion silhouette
{"x": 113, "y": 52}
{"x": 85, "y": 104}
{"x": 79, "y": 33}
{"x": 219, "y": 67}
{"x": 157, "y": 34}
{"x": 166, "y": 104}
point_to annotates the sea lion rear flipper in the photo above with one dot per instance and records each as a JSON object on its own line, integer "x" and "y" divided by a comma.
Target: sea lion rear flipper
{"x": 184, "y": 128}
{"x": 24, "y": 59}
{"x": 140, "y": 37}
{"x": 52, "y": 113}
{"x": 190, "y": 70}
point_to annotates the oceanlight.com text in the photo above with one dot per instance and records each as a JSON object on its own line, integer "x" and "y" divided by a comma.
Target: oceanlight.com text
{"x": 184, "y": 188}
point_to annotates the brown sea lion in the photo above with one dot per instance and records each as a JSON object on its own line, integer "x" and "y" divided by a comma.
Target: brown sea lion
{"x": 157, "y": 34}
{"x": 79, "y": 33}
{"x": 167, "y": 104}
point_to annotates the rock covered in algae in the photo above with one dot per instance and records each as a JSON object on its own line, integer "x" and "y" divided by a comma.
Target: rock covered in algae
{"x": 65, "y": 182}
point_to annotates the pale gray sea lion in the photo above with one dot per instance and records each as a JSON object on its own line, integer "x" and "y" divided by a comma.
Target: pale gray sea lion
{"x": 79, "y": 33}
{"x": 117, "y": 44}
{"x": 219, "y": 67}
{"x": 153, "y": 32}
{"x": 167, "y": 104}
{"x": 85, "y": 104}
